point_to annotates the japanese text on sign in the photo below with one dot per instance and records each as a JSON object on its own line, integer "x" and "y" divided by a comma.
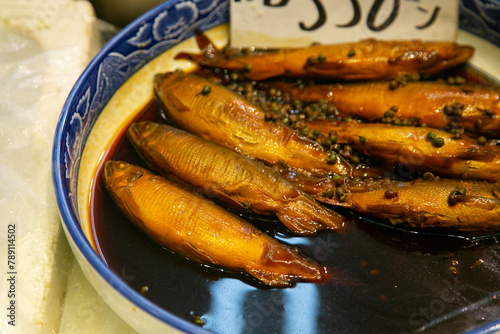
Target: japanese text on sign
{"x": 284, "y": 23}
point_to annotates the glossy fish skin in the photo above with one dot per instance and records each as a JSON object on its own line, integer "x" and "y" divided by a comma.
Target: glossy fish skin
{"x": 424, "y": 101}
{"x": 435, "y": 204}
{"x": 196, "y": 228}
{"x": 230, "y": 177}
{"x": 364, "y": 60}
{"x": 226, "y": 118}
{"x": 408, "y": 145}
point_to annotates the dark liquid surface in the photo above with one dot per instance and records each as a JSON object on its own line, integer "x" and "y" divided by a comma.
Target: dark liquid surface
{"x": 383, "y": 280}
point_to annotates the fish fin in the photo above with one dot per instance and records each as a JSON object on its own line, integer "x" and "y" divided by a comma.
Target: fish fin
{"x": 303, "y": 215}
{"x": 270, "y": 278}
{"x": 485, "y": 155}
{"x": 207, "y": 48}
{"x": 176, "y": 102}
{"x": 196, "y": 253}
{"x": 335, "y": 202}
{"x": 280, "y": 266}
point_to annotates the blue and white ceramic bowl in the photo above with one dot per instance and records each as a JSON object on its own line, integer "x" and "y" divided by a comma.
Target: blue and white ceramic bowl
{"x": 149, "y": 36}
{"x": 115, "y": 85}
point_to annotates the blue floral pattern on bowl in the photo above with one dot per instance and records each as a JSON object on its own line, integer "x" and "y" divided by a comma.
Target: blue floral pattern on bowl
{"x": 482, "y": 18}
{"x": 117, "y": 63}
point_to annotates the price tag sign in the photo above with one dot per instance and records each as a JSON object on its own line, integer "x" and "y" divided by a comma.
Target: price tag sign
{"x": 294, "y": 23}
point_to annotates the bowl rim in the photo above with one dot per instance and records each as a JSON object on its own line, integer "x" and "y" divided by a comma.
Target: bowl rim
{"x": 68, "y": 217}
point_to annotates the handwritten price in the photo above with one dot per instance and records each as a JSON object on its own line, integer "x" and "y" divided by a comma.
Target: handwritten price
{"x": 356, "y": 19}
{"x": 341, "y": 20}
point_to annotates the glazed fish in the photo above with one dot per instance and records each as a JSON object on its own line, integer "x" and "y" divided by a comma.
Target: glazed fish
{"x": 436, "y": 104}
{"x": 196, "y": 228}
{"x": 230, "y": 177}
{"x": 364, "y": 60}
{"x": 217, "y": 114}
{"x": 441, "y": 204}
{"x": 421, "y": 148}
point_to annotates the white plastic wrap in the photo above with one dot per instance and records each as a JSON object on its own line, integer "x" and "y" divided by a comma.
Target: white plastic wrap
{"x": 44, "y": 46}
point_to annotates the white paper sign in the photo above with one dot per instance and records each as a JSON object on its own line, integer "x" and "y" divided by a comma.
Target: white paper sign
{"x": 287, "y": 23}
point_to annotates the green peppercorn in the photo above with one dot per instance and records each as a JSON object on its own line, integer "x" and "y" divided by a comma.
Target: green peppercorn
{"x": 311, "y": 60}
{"x": 447, "y": 110}
{"x": 362, "y": 139}
{"x": 428, "y": 176}
{"x": 438, "y": 142}
{"x": 328, "y": 193}
{"x": 415, "y": 76}
{"x": 355, "y": 159}
{"x": 198, "y": 320}
{"x": 247, "y": 67}
{"x": 390, "y": 194}
{"x": 206, "y": 90}
{"x": 348, "y": 148}
{"x": 431, "y": 135}
{"x": 234, "y": 76}
{"x": 394, "y": 84}
{"x": 340, "y": 181}
{"x": 406, "y": 122}
{"x": 321, "y": 58}
{"x": 453, "y": 125}
{"x": 331, "y": 158}
{"x": 482, "y": 140}
{"x": 351, "y": 53}
{"x": 389, "y": 113}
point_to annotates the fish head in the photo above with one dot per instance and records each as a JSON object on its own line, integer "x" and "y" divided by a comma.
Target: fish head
{"x": 165, "y": 80}
{"x": 119, "y": 174}
{"x": 140, "y": 130}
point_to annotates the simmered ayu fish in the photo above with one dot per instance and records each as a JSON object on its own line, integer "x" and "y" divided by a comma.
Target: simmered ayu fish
{"x": 421, "y": 148}
{"x": 230, "y": 177}
{"x": 434, "y": 103}
{"x": 442, "y": 204}
{"x": 217, "y": 114}
{"x": 196, "y": 228}
{"x": 363, "y": 60}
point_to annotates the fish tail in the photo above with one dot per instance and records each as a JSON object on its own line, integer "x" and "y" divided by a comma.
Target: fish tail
{"x": 303, "y": 215}
{"x": 283, "y": 265}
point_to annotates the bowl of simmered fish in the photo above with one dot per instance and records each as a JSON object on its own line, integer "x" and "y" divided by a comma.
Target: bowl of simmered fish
{"x": 349, "y": 187}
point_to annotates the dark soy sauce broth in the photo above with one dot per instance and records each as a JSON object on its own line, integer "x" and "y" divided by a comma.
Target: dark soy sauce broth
{"x": 383, "y": 279}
